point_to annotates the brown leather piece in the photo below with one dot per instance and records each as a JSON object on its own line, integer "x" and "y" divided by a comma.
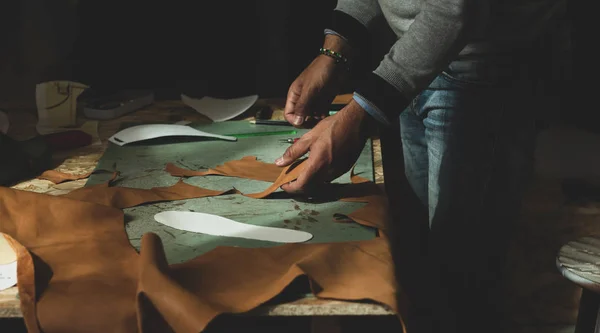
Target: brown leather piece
{"x": 123, "y": 197}
{"x": 376, "y": 213}
{"x": 288, "y": 174}
{"x": 84, "y": 267}
{"x": 247, "y": 167}
{"x": 58, "y": 177}
{"x": 236, "y": 280}
{"x": 79, "y": 273}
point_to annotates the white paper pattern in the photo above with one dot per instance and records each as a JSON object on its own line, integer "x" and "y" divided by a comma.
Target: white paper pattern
{"x": 8, "y": 275}
{"x": 7, "y": 254}
{"x": 152, "y": 131}
{"x": 220, "y": 109}
{"x": 220, "y": 226}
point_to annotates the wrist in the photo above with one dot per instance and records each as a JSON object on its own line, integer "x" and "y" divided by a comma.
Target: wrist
{"x": 366, "y": 123}
{"x": 339, "y": 45}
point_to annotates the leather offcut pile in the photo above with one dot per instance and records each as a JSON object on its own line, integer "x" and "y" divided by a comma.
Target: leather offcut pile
{"x": 77, "y": 271}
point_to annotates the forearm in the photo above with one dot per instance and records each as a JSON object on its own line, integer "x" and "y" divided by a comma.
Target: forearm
{"x": 340, "y": 44}
{"x": 350, "y": 34}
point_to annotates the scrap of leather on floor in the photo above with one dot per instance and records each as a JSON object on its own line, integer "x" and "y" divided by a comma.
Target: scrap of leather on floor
{"x": 58, "y": 177}
{"x": 77, "y": 271}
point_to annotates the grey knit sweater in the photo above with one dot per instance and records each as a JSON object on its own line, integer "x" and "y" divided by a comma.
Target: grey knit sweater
{"x": 432, "y": 33}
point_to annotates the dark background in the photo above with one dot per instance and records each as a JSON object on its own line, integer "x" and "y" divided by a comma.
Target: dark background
{"x": 218, "y": 48}
{"x": 221, "y": 48}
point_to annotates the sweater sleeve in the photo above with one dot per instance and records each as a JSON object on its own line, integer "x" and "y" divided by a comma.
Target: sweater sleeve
{"x": 434, "y": 38}
{"x": 353, "y": 19}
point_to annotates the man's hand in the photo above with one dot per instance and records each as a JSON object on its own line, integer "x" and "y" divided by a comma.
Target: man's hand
{"x": 335, "y": 144}
{"x": 314, "y": 89}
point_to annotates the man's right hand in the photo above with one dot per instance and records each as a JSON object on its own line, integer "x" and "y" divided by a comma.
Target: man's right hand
{"x": 315, "y": 88}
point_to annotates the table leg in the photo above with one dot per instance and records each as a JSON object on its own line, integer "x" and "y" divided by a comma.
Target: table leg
{"x": 589, "y": 307}
{"x": 325, "y": 324}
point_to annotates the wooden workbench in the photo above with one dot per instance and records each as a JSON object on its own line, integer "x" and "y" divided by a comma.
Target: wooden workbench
{"x": 540, "y": 299}
{"x": 83, "y": 160}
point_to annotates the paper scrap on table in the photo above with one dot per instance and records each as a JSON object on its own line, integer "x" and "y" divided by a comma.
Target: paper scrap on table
{"x": 152, "y": 131}
{"x": 220, "y": 109}
{"x": 8, "y": 265}
{"x": 220, "y": 226}
{"x": 91, "y": 128}
{"x": 7, "y": 254}
{"x": 8, "y": 275}
{"x": 56, "y": 103}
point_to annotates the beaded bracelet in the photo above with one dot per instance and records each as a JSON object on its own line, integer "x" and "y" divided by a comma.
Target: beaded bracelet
{"x": 339, "y": 58}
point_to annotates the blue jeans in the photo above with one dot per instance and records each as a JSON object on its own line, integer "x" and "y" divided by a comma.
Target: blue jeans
{"x": 468, "y": 144}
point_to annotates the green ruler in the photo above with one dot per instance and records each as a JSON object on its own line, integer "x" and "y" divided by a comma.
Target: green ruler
{"x": 249, "y": 135}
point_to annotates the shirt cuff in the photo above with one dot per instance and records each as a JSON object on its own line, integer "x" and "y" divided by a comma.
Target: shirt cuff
{"x": 371, "y": 109}
{"x": 333, "y": 32}
{"x": 388, "y": 100}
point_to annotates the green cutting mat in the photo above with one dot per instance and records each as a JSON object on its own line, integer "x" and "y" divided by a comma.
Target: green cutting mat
{"x": 142, "y": 166}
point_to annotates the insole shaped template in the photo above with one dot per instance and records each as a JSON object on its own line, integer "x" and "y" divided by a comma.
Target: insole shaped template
{"x": 220, "y": 226}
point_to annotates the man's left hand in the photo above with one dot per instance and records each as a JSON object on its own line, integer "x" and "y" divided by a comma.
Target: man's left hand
{"x": 335, "y": 144}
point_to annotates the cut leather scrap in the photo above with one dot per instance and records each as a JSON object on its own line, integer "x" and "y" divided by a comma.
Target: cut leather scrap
{"x": 363, "y": 271}
{"x": 247, "y": 167}
{"x": 58, "y": 177}
{"x": 123, "y": 197}
{"x": 375, "y": 213}
{"x": 288, "y": 174}
{"x": 89, "y": 278}
{"x": 80, "y": 253}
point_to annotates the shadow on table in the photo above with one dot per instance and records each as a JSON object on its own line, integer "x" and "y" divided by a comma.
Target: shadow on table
{"x": 12, "y": 325}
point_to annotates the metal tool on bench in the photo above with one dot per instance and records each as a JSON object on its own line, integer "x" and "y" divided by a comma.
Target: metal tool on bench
{"x": 289, "y": 140}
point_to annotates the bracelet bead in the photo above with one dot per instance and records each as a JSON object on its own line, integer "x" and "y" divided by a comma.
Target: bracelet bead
{"x": 338, "y": 57}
